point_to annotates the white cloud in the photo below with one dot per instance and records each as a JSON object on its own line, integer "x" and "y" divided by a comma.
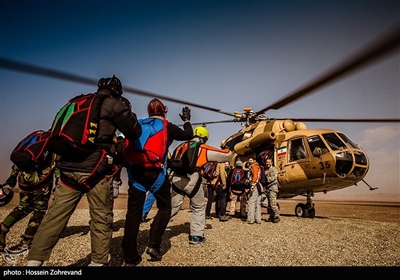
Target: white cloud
{"x": 379, "y": 136}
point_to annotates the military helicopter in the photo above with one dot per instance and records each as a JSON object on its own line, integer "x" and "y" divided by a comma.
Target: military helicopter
{"x": 308, "y": 160}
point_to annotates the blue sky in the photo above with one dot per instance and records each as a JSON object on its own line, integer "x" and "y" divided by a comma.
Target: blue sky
{"x": 223, "y": 54}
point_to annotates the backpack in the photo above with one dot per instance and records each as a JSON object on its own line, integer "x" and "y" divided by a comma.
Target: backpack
{"x": 74, "y": 129}
{"x": 150, "y": 150}
{"x": 32, "y": 151}
{"x": 238, "y": 177}
{"x": 263, "y": 179}
{"x": 209, "y": 171}
{"x": 184, "y": 158}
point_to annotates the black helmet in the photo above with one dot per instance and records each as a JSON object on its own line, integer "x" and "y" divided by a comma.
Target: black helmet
{"x": 6, "y": 195}
{"x": 156, "y": 108}
{"x": 113, "y": 84}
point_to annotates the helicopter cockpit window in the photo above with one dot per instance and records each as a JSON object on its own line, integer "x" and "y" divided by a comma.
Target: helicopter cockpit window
{"x": 297, "y": 150}
{"x": 348, "y": 141}
{"x": 334, "y": 141}
{"x": 317, "y": 146}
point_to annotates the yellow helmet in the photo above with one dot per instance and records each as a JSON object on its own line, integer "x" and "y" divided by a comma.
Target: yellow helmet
{"x": 201, "y": 132}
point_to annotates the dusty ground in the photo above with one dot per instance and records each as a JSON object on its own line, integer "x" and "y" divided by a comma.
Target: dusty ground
{"x": 350, "y": 234}
{"x": 369, "y": 210}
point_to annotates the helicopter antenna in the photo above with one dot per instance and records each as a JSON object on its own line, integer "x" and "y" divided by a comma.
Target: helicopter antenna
{"x": 370, "y": 188}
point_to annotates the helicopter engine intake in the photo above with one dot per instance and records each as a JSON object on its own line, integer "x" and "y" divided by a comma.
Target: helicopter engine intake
{"x": 254, "y": 143}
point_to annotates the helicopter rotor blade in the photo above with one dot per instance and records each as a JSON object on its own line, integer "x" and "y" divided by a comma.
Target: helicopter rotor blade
{"x": 387, "y": 43}
{"x": 345, "y": 120}
{"x": 213, "y": 122}
{"x": 42, "y": 71}
{"x": 314, "y": 120}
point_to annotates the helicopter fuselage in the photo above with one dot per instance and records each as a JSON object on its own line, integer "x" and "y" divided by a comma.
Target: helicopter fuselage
{"x": 308, "y": 160}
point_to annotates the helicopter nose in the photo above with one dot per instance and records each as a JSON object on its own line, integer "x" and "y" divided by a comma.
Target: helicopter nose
{"x": 351, "y": 164}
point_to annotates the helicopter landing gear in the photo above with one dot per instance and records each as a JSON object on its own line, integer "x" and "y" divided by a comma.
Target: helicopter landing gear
{"x": 306, "y": 210}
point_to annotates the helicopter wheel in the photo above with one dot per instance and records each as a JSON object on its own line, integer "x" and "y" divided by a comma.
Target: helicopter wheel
{"x": 303, "y": 211}
{"x": 311, "y": 213}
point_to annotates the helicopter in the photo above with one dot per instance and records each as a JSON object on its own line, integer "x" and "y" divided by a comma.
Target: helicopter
{"x": 308, "y": 160}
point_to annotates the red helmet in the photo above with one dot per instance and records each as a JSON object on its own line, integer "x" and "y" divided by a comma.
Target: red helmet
{"x": 156, "y": 108}
{"x": 6, "y": 195}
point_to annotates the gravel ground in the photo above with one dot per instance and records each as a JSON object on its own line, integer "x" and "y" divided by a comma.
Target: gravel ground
{"x": 321, "y": 242}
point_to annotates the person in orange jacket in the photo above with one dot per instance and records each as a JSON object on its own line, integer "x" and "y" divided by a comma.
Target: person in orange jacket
{"x": 190, "y": 185}
{"x": 254, "y": 193}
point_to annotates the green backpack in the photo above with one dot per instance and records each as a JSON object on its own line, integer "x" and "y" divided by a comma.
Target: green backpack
{"x": 74, "y": 129}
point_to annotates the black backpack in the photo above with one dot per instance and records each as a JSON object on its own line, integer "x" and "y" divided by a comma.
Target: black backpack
{"x": 263, "y": 179}
{"x": 74, "y": 129}
{"x": 184, "y": 158}
{"x": 31, "y": 152}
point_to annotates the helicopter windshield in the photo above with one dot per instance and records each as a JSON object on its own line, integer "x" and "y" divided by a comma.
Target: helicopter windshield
{"x": 315, "y": 142}
{"x": 348, "y": 141}
{"x": 334, "y": 141}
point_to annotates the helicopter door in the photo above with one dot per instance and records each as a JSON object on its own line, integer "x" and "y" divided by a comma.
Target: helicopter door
{"x": 297, "y": 150}
{"x": 293, "y": 159}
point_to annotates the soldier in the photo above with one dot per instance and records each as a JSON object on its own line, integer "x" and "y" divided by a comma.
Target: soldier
{"x": 272, "y": 191}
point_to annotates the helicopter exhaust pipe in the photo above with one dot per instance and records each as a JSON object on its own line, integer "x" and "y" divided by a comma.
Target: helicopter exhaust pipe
{"x": 251, "y": 144}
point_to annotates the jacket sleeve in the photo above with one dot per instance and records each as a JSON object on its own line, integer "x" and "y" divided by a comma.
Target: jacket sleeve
{"x": 177, "y": 133}
{"x": 222, "y": 173}
{"x": 215, "y": 154}
{"x": 126, "y": 121}
{"x": 12, "y": 179}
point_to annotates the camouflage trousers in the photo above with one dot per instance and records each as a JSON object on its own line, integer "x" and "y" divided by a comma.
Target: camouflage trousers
{"x": 35, "y": 201}
{"x": 243, "y": 204}
{"x": 272, "y": 194}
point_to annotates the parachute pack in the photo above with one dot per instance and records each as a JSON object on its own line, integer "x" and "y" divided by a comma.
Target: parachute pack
{"x": 263, "y": 177}
{"x": 150, "y": 149}
{"x": 74, "y": 129}
{"x": 238, "y": 177}
{"x": 184, "y": 157}
{"x": 31, "y": 151}
{"x": 209, "y": 170}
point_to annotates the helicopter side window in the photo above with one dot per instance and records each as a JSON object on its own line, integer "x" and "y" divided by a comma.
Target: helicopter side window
{"x": 317, "y": 146}
{"x": 334, "y": 141}
{"x": 297, "y": 150}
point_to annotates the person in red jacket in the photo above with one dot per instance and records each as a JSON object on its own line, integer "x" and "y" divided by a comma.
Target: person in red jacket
{"x": 156, "y": 181}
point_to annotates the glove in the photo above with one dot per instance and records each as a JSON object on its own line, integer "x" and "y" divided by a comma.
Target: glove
{"x": 116, "y": 185}
{"x": 185, "y": 116}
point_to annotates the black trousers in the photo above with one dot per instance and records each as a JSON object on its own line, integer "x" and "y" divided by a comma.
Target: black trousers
{"x": 210, "y": 200}
{"x": 136, "y": 200}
